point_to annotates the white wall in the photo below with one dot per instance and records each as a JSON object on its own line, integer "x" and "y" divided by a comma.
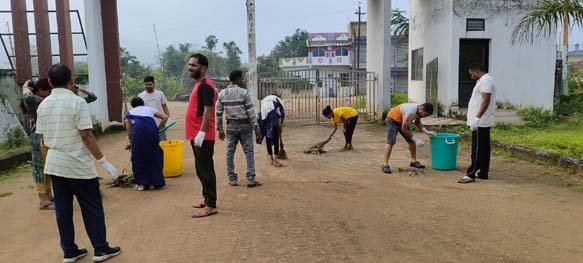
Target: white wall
{"x": 96, "y": 62}
{"x": 524, "y": 74}
{"x": 430, "y": 29}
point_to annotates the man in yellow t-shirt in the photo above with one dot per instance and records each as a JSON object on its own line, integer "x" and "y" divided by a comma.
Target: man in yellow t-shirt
{"x": 346, "y": 115}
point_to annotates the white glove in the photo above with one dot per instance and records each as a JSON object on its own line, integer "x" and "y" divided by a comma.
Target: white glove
{"x": 107, "y": 166}
{"x": 418, "y": 141}
{"x": 199, "y": 139}
{"x": 475, "y": 123}
{"x": 428, "y": 132}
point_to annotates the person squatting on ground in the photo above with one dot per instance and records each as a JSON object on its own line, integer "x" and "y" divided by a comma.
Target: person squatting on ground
{"x": 271, "y": 119}
{"x": 147, "y": 157}
{"x": 237, "y": 104}
{"x": 398, "y": 120}
{"x": 33, "y": 95}
{"x": 156, "y": 99}
{"x": 481, "y": 110}
{"x": 348, "y": 116}
{"x": 65, "y": 124}
{"x": 200, "y": 131}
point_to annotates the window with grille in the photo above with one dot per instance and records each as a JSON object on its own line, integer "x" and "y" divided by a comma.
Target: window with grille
{"x": 475, "y": 24}
{"x": 417, "y": 64}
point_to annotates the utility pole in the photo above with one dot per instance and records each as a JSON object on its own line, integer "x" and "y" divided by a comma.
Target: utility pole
{"x": 358, "y": 40}
{"x": 253, "y": 82}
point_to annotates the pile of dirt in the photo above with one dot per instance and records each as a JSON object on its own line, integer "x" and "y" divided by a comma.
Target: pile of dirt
{"x": 412, "y": 171}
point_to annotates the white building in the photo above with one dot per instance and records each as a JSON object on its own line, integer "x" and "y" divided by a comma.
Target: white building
{"x": 456, "y": 33}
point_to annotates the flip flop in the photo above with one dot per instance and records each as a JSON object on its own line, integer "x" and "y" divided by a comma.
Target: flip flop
{"x": 204, "y": 215}
{"x": 201, "y": 205}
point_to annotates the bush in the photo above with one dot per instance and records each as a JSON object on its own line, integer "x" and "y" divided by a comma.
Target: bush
{"x": 399, "y": 98}
{"x": 570, "y": 105}
{"x": 16, "y": 138}
{"x": 537, "y": 117}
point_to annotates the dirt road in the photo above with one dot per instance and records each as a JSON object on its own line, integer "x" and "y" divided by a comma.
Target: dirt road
{"x": 337, "y": 207}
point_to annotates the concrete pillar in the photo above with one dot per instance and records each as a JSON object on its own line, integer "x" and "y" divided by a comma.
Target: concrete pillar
{"x": 43, "y": 37}
{"x": 65, "y": 36}
{"x": 378, "y": 55}
{"x": 252, "y": 81}
{"x": 21, "y": 40}
{"x": 111, "y": 52}
{"x": 96, "y": 61}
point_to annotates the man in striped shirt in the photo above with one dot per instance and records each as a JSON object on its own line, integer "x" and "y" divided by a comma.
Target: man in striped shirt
{"x": 237, "y": 104}
{"x": 64, "y": 121}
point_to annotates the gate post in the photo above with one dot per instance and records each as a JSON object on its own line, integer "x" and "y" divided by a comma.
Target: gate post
{"x": 378, "y": 55}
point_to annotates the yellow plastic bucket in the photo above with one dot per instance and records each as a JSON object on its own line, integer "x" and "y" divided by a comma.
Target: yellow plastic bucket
{"x": 173, "y": 151}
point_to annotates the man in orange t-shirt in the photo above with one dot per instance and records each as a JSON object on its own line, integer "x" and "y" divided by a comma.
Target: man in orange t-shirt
{"x": 199, "y": 129}
{"x": 399, "y": 119}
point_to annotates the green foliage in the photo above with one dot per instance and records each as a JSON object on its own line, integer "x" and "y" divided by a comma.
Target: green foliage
{"x": 570, "y": 105}
{"x": 543, "y": 20}
{"x": 295, "y": 45}
{"x": 537, "y": 117}
{"x": 233, "y": 61}
{"x": 211, "y": 42}
{"x": 16, "y": 138}
{"x": 561, "y": 138}
{"x": 174, "y": 59}
{"x": 399, "y": 23}
{"x": 399, "y": 98}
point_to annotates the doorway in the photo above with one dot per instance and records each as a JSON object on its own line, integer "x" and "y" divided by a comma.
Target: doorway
{"x": 472, "y": 51}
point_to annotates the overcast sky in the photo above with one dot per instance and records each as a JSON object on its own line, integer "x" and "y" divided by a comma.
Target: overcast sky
{"x": 181, "y": 21}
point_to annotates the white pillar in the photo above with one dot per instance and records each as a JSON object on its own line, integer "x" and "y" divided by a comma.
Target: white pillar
{"x": 96, "y": 62}
{"x": 378, "y": 55}
{"x": 252, "y": 79}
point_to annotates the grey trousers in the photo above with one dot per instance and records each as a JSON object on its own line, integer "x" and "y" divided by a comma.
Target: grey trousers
{"x": 240, "y": 133}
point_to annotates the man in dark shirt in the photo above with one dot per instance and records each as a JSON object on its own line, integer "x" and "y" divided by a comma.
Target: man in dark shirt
{"x": 200, "y": 131}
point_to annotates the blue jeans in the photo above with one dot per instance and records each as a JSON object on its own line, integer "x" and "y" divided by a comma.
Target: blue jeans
{"x": 89, "y": 198}
{"x": 244, "y": 134}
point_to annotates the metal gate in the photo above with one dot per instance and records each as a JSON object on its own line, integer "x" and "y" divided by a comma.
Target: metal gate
{"x": 306, "y": 92}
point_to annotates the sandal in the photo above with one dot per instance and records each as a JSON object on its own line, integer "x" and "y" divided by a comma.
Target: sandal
{"x": 48, "y": 205}
{"x": 140, "y": 187}
{"x": 466, "y": 180}
{"x": 386, "y": 169}
{"x": 207, "y": 213}
{"x": 233, "y": 183}
{"x": 277, "y": 164}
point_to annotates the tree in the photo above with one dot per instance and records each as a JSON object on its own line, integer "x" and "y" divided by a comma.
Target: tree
{"x": 211, "y": 42}
{"x": 399, "y": 23}
{"x": 267, "y": 65}
{"x": 174, "y": 60}
{"x": 544, "y": 20}
{"x": 130, "y": 65}
{"x": 233, "y": 56}
{"x": 295, "y": 45}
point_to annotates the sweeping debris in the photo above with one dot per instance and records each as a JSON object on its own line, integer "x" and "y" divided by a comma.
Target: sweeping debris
{"x": 412, "y": 171}
{"x": 317, "y": 148}
{"x": 124, "y": 181}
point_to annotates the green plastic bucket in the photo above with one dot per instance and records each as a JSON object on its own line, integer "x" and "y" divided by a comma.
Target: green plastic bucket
{"x": 444, "y": 151}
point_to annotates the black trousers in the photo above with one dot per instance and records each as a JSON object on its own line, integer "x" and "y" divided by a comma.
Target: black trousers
{"x": 273, "y": 143}
{"x": 89, "y": 198}
{"x": 480, "y": 153}
{"x": 350, "y": 126}
{"x": 205, "y": 170}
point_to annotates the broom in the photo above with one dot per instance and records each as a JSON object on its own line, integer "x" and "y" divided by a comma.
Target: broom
{"x": 282, "y": 153}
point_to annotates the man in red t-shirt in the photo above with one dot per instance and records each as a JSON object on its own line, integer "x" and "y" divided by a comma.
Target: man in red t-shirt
{"x": 200, "y": 131}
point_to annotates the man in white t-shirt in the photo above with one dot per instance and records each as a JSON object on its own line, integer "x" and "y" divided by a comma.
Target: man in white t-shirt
{"x": 155, "y": 99}
{"x": 480, "y": 117}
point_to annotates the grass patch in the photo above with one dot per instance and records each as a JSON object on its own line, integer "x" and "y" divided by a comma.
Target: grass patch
{"x": 2, "y": 194}
{"x": 18, "y": 170}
